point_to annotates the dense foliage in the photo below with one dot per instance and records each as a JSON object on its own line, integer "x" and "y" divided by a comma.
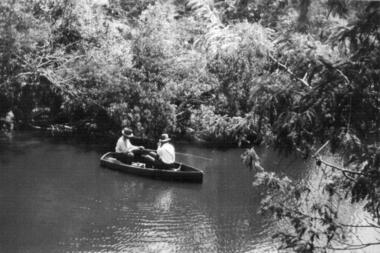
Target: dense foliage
{"x": 291, "y": 74}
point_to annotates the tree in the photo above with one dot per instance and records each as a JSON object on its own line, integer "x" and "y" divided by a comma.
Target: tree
{"x": 291, "y": 74}
{"x": 339, "y": 104}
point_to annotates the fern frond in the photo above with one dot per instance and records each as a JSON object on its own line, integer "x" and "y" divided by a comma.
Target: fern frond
{"x": 221, "y": 38}
{"x": 217, "y": 35}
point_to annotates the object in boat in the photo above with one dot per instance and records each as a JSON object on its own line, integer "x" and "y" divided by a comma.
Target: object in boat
{"x": 181, "y": 172}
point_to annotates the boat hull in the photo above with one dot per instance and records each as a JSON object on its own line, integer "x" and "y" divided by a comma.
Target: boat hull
{"x": 185, "y": 174}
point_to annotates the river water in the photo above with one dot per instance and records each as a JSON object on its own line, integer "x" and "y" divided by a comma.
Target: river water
{"x": 55, "y": 197}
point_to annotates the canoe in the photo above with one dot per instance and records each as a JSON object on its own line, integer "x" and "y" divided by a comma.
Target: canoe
{"x": 182, "y": 172}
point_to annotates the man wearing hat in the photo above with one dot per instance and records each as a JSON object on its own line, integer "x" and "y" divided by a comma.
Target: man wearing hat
{"x": 164, "y": 157}
{"x": 124, "y": 148}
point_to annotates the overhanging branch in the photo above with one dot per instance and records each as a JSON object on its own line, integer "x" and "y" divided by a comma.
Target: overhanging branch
{"x": 283, "y": 66}
{"x": 354, "y": 247}
{"x": 340, "y": 169}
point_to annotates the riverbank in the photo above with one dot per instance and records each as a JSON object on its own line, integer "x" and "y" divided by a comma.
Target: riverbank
{"x": 65, "y": 132}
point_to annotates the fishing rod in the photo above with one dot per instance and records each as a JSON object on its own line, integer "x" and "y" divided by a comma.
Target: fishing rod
{"x": 198, "y": 156}
{"x": 185, "y": 154}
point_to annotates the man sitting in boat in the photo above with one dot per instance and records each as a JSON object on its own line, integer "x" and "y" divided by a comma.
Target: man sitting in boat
{"x": 125, "y": 150}
{"x": 164, "y": 157}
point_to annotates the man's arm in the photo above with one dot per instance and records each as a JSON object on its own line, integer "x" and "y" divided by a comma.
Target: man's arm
{"x": 118, "y": 147}
{"x": 159, "y": 151}
{"x": 132, "y": 147}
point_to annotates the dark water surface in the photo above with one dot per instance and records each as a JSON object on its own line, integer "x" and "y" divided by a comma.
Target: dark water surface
{"x": 56, "y": 198}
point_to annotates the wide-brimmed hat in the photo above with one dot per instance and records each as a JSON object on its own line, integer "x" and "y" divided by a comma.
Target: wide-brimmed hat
{"x": 127, "y": 132}
{"x": 164, "y": 138}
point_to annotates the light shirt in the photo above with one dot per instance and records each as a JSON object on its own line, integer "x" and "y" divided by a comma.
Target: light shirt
{"x": 9, "y": 117}
{"x": 124, "y": 146}
{"x": 166, "y": 153}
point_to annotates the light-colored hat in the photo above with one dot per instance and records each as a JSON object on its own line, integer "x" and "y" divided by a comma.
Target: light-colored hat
{"x": 164, "y": 138}
{"x": 127, "y": 132}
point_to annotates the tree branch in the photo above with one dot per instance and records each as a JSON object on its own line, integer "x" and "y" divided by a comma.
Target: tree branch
{"x": 360, "y": 226}
{"x": 289, "y": 71}
{"x": 339, "y": 168}
{"x": 355, "y": 247}
{"x": 349, "y": 177}
{"x": 320, "y": 149}
{"x": 343, "y": 75}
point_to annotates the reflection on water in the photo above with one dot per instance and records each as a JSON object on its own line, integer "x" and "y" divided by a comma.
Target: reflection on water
{"x": 55, "y": 197}
{"x": 164, "y": 200}
{"x": 348, "y": 213}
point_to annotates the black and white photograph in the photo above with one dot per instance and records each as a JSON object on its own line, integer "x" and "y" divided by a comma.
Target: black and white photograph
{"x": 189, "y": 126}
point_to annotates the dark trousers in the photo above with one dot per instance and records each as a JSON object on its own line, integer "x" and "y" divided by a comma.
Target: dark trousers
{"x": 163, "y": 166}
{"x": 124, "y": 157}
{"x": 158, "y": 163}
{"x": 135, "y": 155}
